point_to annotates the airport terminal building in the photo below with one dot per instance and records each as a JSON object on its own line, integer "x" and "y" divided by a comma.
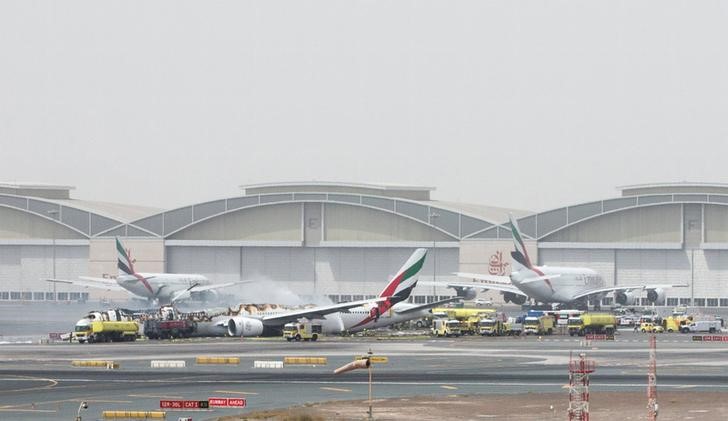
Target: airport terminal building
{"x": 346, "y": 240}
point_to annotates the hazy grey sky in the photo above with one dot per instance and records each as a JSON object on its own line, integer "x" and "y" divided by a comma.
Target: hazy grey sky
{"x": 527, "y": 104}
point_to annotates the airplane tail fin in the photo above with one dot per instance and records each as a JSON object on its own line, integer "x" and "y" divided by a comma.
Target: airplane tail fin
{"x": 124, "y": 263}
{"x": 520, "y": 254}
{"x": 401, "y": 286}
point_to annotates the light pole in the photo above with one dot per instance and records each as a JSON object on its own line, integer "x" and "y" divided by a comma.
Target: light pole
{"x": 433, "y": 218}
{"x": 54, "y": 214}
{"x": 83, "y": 405}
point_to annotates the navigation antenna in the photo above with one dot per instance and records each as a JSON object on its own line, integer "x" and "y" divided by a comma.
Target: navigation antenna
{"x": 652, "y": 407}
{"x": 579, "y": 371}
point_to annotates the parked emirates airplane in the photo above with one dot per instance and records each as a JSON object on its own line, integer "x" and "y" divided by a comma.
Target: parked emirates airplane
{"x": 388, "y": 308}
{"x": 163, "y": 288}
{"x": 553, "y": 285}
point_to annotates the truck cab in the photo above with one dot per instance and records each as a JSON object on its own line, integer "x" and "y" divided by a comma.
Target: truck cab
{"x": 576, "y": 326}
{"x": 491, "y": 327}
{"x": 298, "y": 331}
{"x": 446, "y": 327}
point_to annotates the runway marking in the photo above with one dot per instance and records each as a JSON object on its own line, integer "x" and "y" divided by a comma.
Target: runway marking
{"x": 335, "y": 389}
{"x": 236, "y": 392}
{"x": 30, "y": 378}
{"x": 444, "y": 386}
{"x": 26, "y": 410}
{"x": 156, "y": 396}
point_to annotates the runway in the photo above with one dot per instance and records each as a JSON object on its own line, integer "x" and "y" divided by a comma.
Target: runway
{"x": 37, "y": 381}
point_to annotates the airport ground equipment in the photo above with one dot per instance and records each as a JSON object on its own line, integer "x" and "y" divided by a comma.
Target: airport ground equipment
{"x": 592, "y": 323}
{"x": 710, "y": 326}
{"x": 650, "y": 327}
{"x": 491, "y": 327}
{"x": 305, "y": 360}
{"x": 361, "y": 363}
{"x": 168, "y": 364}
{"x": 169, "y": 329}
{"x": 109, "y": 365}
{"x": 579, "y": 371}
{"x": 469, "y": 325}
{"x": 267, "y": 364}
{"x": 675, "y": 323}
{"x": 217, "y": 360}
{"x": 514, "y": 329}
{"x": 445, "y": 327}
{"x": 100, "y": 331}
{"x": 543, "y": 325}
{"x": 307, "y": 331}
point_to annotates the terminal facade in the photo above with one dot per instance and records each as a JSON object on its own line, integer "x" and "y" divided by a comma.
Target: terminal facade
{"x": 346, "y": 240}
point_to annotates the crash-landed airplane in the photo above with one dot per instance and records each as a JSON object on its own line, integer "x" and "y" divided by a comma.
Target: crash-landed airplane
{"x": 388, "y": 308}
{"x": 161, "y": 288}
{"x": 553, "y": 285}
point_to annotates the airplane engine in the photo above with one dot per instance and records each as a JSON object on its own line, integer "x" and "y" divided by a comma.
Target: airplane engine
{"x": 510, "y": 297}
{"x": 656, "y": 296}
{"x": 245, "y": 327}
{"x": 625, "y": 298}
{"x": 466, "y": 293}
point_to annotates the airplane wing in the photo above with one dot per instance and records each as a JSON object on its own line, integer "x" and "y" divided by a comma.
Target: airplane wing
{"x": 627, "y": 288}
{"x": 483, "y": 286}
{"x": 484, "y": 278}
{"x": 89, "y": 282}
{"x": 316, "y": 312}
{"x": 184, "y": 294}
{"x": 428, "y": 305}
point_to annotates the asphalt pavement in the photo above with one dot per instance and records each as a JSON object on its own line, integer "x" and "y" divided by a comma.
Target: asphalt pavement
{"x": 38, "y": 381}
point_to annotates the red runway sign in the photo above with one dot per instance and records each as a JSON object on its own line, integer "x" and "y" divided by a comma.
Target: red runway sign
{"x": 228, "y": 402}
{"x": 710, "y": 338}
{"x": 167, "y": 404}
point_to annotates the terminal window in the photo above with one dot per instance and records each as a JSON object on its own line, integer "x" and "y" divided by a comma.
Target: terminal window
{"x": 358, "y": 297}
{"x": 607, "y": 301}
{"x": 334, "y": 298}
{"x": 84, "y": 296}
{"x": 39, "y": 296}
{"x": 712, "y": 302}
{"x": 685, "y": 301}
{"x": 27, "y": 296}
{"x": 4, "y": 295}
{"x": 724, "y": 302}
{"x": 699, "y": 302}
{"x": 49, "y": 296}
{"x": 345, "y": 298}
{"x": 62, "y": 296}
{"x": 420, "y": 299}
{"x": 75, "y": 295}
{"x": 14, "y": 295}
{"x": 672, "y": 301}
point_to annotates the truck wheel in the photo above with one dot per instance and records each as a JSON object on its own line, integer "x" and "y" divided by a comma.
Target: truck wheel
{"x": 550, "y": 331}
{"x": 711, "y": 330}
{"x": 418, "y": 324}
{"x": 644, "y": 331}
{"x": 298, "y": 337}
{"x": 685, "y": 330}
{"x": 314, "y": 337}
